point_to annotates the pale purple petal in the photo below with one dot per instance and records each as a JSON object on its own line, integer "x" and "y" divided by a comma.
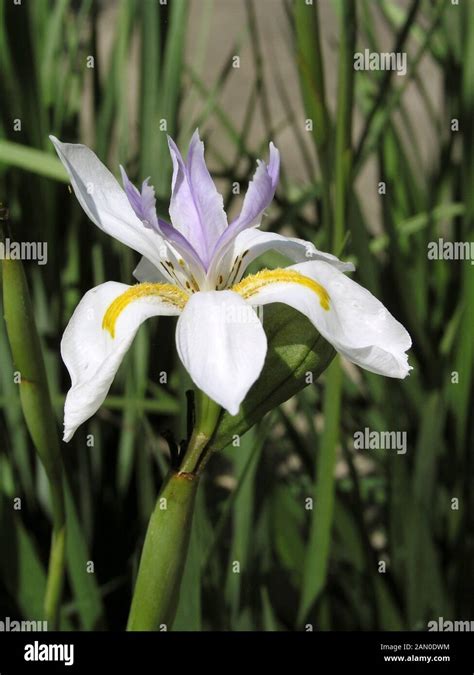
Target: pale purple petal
{"x": 259, "y": 195}
{"x": 274, "y": 166}
{"x": 143, "y": 203}
{"x": 183, "y": 211}
{"x": 260, "y": 192}
{"x": 181, "y": 244}
{"x": 196, "y": 208}
{"x": 209, "y": 203}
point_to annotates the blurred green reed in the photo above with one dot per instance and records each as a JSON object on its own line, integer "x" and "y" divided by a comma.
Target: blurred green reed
{"x": 30, "y": 375}
{"x": 298, "y": 566}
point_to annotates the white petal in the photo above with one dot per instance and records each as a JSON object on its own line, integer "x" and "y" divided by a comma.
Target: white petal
{"x": 104, "y": 201}
{"x": 92, "y": 356}
{"x": 356, "y": 323}
{"x": 222, "y": 345}
{"x": 250, "y": 244}
{"x": 147, "y": 271}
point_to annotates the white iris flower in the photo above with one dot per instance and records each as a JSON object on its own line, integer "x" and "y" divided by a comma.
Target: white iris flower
{"x": 194, "y": 268}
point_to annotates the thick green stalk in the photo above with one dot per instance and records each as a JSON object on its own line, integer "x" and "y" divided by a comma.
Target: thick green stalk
{"x": 39, "y": 416}
{"x": 156, "y": 594}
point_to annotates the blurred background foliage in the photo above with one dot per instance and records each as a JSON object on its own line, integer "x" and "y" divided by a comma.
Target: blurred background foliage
{"x": 248, "y": 72}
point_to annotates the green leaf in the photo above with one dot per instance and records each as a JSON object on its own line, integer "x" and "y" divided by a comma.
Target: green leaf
{"x": 21, "y": 570}
{"x": 243, "y": 515}
{"x": 287, "y": 524}
{"x": 169, "y": 94}
{"x": 295, "y": 348}
{"x": 320, "y": 535}
{"x": 30, "y": 159}
{"x": 38, "y": 413}
{"x": 310, "y": 61}
{"x": 84, "y": 586}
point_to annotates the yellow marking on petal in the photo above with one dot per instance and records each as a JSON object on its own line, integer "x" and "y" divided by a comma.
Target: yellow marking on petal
{"x": 166, "y": 293}
{"x": 254, "y": 282}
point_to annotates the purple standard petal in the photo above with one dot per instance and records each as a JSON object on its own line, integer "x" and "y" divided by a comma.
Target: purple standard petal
{"x": 144, "y": 205}
{"x": 260, "y": 192}
{"x": 259, "y": 195}
{"x": 209, "y": 203}
{"x": 196, "y": 208}
{"x": 181, "y": 244}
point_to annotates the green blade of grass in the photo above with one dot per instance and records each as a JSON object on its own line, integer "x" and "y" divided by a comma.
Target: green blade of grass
{"x": 169, "y": 96}
{"x": 88, "y": 600}
{"x": 318, "y": 548}
{"x": 319, "y": 542}
{"x": 22, "y": 571}
{"x": 35, "y": 161}
{"x": 311, "y": 70}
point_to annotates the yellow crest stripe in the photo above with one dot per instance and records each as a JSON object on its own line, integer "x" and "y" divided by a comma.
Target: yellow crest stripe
{"x": 254, "y": 282}
{"x": 165, "y": 292}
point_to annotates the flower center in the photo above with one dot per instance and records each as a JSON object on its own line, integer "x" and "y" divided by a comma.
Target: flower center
{"x": 165, "y": 292}
{"x": 254, "y": 282}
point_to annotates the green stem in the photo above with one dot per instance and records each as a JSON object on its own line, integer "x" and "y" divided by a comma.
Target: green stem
{"x": 38, "y": 412}
{"x": 156, "y": 594}
{"x": 55, "y": 580}
{"x": 207, "y": 415}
